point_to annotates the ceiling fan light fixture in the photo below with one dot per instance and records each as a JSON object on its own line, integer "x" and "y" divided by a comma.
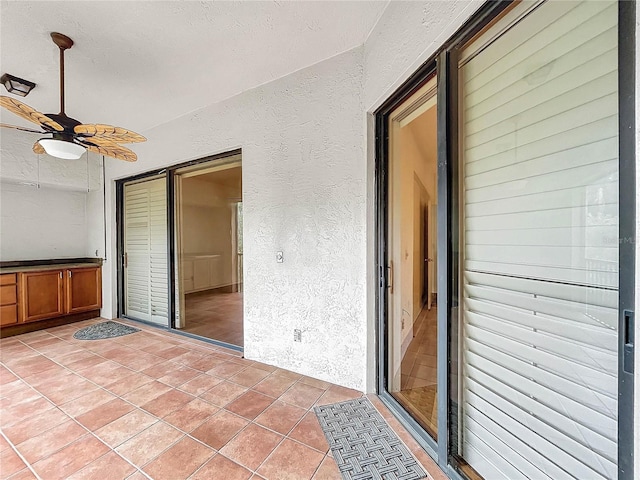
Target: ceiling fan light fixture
{"x": 62, "y": 148}
{"x": 17, "y": 86}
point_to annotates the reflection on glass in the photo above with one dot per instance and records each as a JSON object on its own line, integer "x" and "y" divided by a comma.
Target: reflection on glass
{"x": 412, "y": 326}
{"x": 535, "y": 389}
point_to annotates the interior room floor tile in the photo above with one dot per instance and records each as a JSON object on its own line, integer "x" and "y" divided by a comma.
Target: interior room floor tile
{"x": 158, "y": 405}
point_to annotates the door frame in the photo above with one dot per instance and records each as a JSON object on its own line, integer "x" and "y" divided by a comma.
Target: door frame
{"x": 444, "y": 63}
{"x": 173, "y": 177}
{"x": 172, "y": 255}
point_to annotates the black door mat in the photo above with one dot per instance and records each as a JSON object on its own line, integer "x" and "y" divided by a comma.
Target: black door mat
{"x": 103, "y": 330}
{"x": 363, "y": 444}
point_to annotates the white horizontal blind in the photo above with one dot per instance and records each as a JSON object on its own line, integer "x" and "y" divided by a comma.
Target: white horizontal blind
{"x": 146, "y": 248}
{"x": 540, "y": 270}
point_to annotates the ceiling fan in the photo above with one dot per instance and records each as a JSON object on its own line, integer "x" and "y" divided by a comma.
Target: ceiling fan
{"x": 67, "y": 137}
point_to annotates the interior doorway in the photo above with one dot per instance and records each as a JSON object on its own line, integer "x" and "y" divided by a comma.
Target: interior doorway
{"x": 412, "y": 318}
{"x": 208, "y": 233}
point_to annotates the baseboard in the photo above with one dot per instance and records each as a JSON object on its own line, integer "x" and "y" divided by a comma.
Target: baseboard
{"x": 232, "y": 288}
{"x": 20, "y": 328}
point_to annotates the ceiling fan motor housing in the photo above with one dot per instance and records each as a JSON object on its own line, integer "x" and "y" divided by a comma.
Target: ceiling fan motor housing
{"x": 67, "y": 122}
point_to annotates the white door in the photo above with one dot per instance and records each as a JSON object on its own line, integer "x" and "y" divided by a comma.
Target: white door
{"x": 145, "y": 243}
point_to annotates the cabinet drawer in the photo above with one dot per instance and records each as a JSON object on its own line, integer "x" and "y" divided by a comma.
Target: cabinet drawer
{"x": 8, "y": 314}
{"x": 8, "y": 279}
{"x": 8, "y": 294}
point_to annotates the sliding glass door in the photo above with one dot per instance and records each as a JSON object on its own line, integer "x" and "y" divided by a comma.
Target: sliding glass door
{"x": 412, "y": 326}
{"x": 539, "y": 245}
{"x": 520, "y": 359}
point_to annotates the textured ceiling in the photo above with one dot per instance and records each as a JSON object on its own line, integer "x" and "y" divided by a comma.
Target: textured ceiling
{"x": 144, "y": 63}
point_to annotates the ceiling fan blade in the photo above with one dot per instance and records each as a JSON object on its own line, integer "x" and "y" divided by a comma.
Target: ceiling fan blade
{"x": 37, "y": 148}
{"x": 115, "y": 134}
{"x": 22, "y": 129}
{"x": 108, "y": 148}
{"x": 25, "y": 111}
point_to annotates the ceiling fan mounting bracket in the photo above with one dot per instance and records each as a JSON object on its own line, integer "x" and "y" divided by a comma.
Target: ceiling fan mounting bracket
{"x": 62, "y": 41}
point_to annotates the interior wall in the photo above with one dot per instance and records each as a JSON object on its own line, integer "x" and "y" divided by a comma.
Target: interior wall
{"x": 207, "y": 216}
{"x": 417, "y": 154}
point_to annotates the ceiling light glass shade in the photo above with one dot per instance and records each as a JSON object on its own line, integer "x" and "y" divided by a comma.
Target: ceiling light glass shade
{"x": 61, "y": 148}
{"x": 17, "y": 86}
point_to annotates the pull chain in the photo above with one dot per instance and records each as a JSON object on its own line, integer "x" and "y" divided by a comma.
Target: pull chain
{"x": 88, "y": 178}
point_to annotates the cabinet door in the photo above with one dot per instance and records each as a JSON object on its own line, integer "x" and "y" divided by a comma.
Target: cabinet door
{"x": 83, "y": 289}
{"x": 201, "y": 274}
{"x": 41, "y": 295}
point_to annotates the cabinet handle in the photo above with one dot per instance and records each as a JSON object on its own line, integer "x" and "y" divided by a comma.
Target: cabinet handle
{"x": 69, "y": 273}
{"x": 60, "y": 273}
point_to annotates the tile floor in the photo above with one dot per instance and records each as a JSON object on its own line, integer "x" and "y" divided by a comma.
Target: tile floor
{"x": 418, "y": 384}
{"x": 215, "y": 315}
{"x": 420, "y": 361}
{"x": 156, "y": 405}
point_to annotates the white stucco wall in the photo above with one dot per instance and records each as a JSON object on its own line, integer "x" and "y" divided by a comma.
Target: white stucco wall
{"x": 304, "y": 182}
{"x": 307, "y": 183}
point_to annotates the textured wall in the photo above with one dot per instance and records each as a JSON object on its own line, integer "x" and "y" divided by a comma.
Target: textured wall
{"x": 406, "y": 35}
{"x": 304, "y": 175}
{"x": 308, "y": 191}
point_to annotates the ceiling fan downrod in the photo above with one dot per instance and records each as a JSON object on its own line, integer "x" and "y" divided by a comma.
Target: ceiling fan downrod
{"x": 64, "y": 43}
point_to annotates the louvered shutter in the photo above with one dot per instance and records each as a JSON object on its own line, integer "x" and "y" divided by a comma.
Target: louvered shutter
{"x": 146, "y": 248}
{"x": 540, "y": 244}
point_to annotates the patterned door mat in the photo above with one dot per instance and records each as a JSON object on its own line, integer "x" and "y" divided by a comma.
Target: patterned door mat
{"x": 363, "y": 445}
{"x": 103, "y": 330}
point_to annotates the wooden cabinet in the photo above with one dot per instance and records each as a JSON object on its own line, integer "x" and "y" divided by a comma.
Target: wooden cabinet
{"x": 8, "y": 299}
{"x": 53, "y": 293}
{"x": 202, "y": 272}
{"x": 83, "y": 289}
{"x": 41, "y": 295}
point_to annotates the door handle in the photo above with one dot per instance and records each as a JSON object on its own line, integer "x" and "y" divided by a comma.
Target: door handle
{"x": 629, "y": 341}
{"x": 390, "y": 277}
{"x": 126, "y": 260}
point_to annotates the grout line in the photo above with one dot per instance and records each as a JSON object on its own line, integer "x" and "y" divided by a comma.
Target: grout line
{"x": 295, "y": 381}
{"x": 27, "y": 464}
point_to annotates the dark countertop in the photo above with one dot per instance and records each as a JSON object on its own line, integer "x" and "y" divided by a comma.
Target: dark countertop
{"x": 53, "y": 264}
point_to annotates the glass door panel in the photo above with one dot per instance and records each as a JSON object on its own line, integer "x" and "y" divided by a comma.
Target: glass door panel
{"x": 538, "y": 305}
{"x": 412, "y": 330}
